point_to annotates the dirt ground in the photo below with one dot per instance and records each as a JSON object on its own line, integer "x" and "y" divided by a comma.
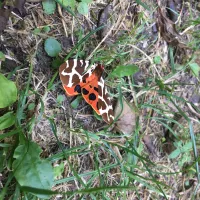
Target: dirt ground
{"x": 144, "y": 32}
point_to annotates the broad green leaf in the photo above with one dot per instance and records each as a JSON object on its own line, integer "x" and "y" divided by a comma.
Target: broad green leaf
{"x": 75, "y": 103}
{"x": 195, "y": 68}
{"x": 178, "y": 144}
{"x": 157, "y": 59}
{"x": 65, "y": 3}
{"x": 72, "y": 4}
{"x": 186, "y": 147}
{"x": 2, "y": 56}
{"x": 7, "y": 120}
{"x": 46, "y": 29}
{"x": 124, "y": 70}
{"x": 175, "y": 153}
{"x": 49, "y": 6}
{"x": 8, "y": 92}
{"x": 83, "y": 8}
{"x": 87, "y": 1}
{"x": 178, "y": 66}
{"x": 36, "y": 31}
{"x": 58, "y": 170}
{"x": 185, "y": 158}
{"x": 30, "y": 170}
{"x": 52, "y": 47}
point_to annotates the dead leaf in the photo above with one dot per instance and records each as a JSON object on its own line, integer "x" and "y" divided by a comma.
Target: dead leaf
{"x": 104, "y": 16}
{"x": 127, "y": 118}
{"x": 149, "y": 144}
{"x": 168, "y": 30}
{"x": 4, "y": 16}
{"x": 19, "y": 8}
{"x": 139, "y": 78}
{"x": 198, "y": 6}
{"x": 14, "y": 6}
{"x": 171, "y": 9}
{"x": 132, "y": 16}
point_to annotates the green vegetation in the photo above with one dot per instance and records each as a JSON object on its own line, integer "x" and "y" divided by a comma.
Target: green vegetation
{"x": 53, "y": 145}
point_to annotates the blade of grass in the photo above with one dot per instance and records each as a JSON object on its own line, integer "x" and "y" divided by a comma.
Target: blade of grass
{"x": 171, "y": 56}
{"x": 92, "y": 173}
{"x": 54, "y": 129}
{"x": 195, "y": 154}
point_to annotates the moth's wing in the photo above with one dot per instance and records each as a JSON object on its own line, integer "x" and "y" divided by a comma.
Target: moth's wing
{"x": 90, "y": 92}
{"x": 72, "y": 73}
{"x": 104, "y": 106}
{"x": 97, "y": 96}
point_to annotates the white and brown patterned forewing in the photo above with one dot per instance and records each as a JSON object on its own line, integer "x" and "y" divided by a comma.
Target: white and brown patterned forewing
{"x": 104, "y": 102}
{"x": 73, "y": 72}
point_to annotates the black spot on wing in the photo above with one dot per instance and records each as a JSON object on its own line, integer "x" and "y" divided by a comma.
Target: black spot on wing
{"x": 77, "y": 89}
{"x": 84, "y": 81}
{"x": 84, "y": 91}
{"x": 92, "y": 96}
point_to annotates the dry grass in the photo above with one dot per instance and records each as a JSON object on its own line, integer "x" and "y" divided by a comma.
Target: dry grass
{"x": 142, "y": 158}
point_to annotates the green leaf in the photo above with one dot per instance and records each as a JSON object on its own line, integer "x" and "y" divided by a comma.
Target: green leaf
{"x": 93, "y": 136}
{"x": 2, "y": 56}
{"x": 160, "y": 84}
{"x": 195, "y": 68}
{"x": 75, "y": 103}
{"x": 124, "y": 70}
{"x": 65, "y": 3}
{"x": 7, "y": 120}
{"x": 46, "y": 29}
{"x": 142, "y": 4}
{"x": 60, "y": 99}
{"x": 186, "y": 147}
{"x": 99, "y": 117}
{"x": 36, "y": 31}
{"x": 157, "y": 59}
{"x": 30, "y": 170}
{"x": 185, "y": 158}
{"x": 2, "y": 160}
{"x": 52, "y": 47}
{"x": 8, "y": 92}
{"x": 72, "y": 4}
{"x": 175, "y": 153}
{"x": 83, "y": 8}
{"x": 49, "y": 6}
{"x": 56, "y": 63}
{"x": 178, "y": 66}
{"x": 87, "y": 1}
{"x": 31, "y": 106}
{"x": 58, "y": 170}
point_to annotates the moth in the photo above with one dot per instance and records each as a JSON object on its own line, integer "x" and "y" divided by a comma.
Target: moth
{"x": 77, "y": 79}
